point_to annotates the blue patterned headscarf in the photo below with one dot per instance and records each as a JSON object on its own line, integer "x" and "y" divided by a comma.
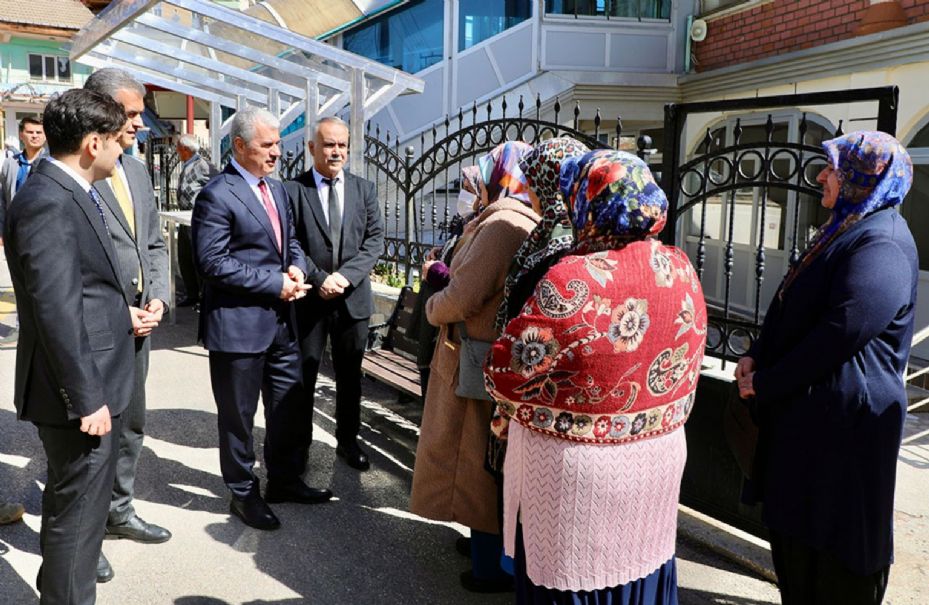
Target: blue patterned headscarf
{"x": 612, "y": 198}
{"x": 874, "y": 172}
{"x": 502, "y": 175}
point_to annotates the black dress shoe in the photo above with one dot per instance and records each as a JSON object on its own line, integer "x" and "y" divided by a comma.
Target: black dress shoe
{"x": 104, "y": 571}
{"x": 353, "y": 455}
{"x": 296, "y": 491}
{"x": 472, "y": 584}
{"x": 254, "y": 512}
{"x": 463, "y": 546}
{"x": 140, "y": 531}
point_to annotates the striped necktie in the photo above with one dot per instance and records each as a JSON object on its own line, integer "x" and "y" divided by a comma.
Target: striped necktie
{"x": 98, "y": 202}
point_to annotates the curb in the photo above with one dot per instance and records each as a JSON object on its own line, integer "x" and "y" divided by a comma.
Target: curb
{"x": 742, "y": 548}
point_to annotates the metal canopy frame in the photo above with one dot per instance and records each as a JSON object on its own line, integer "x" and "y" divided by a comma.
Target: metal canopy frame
{"x": 229, "y": 58}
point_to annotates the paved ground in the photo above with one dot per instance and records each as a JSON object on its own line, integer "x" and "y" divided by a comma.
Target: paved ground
{"x": 364, "y": 547}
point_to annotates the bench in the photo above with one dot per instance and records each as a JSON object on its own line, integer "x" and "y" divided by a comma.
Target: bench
{"x": 390, "y": 357}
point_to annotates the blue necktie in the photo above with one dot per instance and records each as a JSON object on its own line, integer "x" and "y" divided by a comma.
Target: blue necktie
{"x": 98, "y": 202}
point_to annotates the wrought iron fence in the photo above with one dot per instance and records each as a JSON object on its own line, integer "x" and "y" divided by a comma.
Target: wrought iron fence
{"x": 418, "y": 185}
{"x": 736, "y": 192}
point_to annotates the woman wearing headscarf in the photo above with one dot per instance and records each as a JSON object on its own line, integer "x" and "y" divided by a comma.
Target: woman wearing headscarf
{"x": 826, "y": 378}
{"x": 596, "y": 376}
{"x": 450, "y": 482}
{"x": 435, "y": 274}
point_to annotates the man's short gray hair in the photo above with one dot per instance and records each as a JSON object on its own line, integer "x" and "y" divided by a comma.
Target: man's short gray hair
{"x": 110, "y": 80}
{"x": 189, "y": 142}
{"x": 329, "y": 120}
{"x": 244, "y": 120}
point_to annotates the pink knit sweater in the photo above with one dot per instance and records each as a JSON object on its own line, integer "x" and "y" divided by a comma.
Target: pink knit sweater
{"x": 593, "y": 516}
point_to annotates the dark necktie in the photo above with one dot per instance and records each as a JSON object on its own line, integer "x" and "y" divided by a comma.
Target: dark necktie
{"x": 335, "y": 222}
{"x": 98, "y": 202}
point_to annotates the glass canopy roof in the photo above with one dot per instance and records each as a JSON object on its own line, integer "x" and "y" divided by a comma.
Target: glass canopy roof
{"x": 229, "y": 58}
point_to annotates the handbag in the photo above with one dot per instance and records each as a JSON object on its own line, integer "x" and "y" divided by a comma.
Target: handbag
{"x": 741, "y": 431}
{"x": 471, "y": 358}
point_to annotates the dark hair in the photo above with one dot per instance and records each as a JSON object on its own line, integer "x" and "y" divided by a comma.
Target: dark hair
{"x": 29, "y": 120}
{"x": 76, "y": 113}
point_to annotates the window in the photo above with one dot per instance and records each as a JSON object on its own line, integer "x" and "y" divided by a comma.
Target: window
{"x": 410, "y": 39}
{"x": 634, "y": 9}
{"x": 49, "y": 68}
{"x": 482, "y": 19}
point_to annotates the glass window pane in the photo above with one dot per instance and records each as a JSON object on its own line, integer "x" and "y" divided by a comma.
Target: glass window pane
{"x": 63, "y": 69}
{"x": 409, "y": 38}
{"x": 49, "y": 68}
{"x": 635, "y": 9}
{"x": 35, "y": 67}
{"x": 482, "y": 19}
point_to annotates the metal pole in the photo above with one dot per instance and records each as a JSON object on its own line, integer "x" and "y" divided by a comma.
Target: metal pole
{"x": 356, "y": 125}
{"x": 311, "y": 111}
{"x": 216, "y": 136}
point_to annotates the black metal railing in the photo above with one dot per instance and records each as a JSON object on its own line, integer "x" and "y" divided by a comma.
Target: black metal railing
{"x": 743, "y": 180}
{"x": 418, "y": 185}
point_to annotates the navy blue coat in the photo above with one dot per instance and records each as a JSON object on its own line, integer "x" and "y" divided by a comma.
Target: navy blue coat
{"x": 237, "y": 257}
{"x": 831, "y": 399}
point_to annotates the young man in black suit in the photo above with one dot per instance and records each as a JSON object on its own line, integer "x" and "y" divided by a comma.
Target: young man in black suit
{"x": 74, "y": 370}
{"x": 338, "y": 223}
{"x": 130, "y": 208}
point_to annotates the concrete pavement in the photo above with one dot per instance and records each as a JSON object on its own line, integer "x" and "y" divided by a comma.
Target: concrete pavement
{"x": 363, "y": 547}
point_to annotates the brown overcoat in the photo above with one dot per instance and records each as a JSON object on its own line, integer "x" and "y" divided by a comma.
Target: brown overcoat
{"x": 449, "y": 480}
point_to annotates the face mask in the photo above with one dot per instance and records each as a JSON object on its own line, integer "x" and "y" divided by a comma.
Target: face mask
{"x": 465, "y": 203}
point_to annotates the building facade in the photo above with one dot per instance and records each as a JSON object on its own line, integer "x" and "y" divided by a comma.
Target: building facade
{"x": 33, "y": 64}
{"x": 773, "y": 47}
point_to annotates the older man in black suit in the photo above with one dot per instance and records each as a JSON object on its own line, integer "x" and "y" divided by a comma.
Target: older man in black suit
{"x": 252, "y": 269}
{"x": 74, "y": 370}
{"x": 339, "y": 225}
{"x": 129, "y": 205}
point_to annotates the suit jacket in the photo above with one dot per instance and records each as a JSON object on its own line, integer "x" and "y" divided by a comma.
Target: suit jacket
{"x": 75, "y": 349}
{"x": 147, "y": 248}
{"x": 236, "y": 254}
{"x": 362, "y": 241}
{"x": 8, "y": 172}
{"x": 194, "y": 176}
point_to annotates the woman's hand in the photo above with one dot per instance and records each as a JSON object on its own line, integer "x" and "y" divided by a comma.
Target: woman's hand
{"x": 426, "y": 266}
{"x": 745, "y": 375}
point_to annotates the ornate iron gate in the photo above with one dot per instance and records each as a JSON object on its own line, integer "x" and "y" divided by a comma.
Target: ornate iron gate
{"x": 763, "y": 172}
{"x": 418, "y": 190}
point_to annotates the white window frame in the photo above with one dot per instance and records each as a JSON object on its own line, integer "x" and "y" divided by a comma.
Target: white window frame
{"x": 45, "y": 76}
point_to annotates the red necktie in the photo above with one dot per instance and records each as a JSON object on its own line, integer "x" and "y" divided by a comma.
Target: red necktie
{"x": 271, "y": 209}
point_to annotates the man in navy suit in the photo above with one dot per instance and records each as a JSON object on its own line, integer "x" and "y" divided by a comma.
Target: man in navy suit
{"x": 74, "y": 358}
{"x": 253, "y": 269}
{"x": 339, "y": 225}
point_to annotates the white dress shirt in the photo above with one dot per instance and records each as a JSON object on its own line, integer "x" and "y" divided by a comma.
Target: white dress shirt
{"x": 252, "y": 181}
{"x": 71, "y": 173}
{"x": 323, "y": 190}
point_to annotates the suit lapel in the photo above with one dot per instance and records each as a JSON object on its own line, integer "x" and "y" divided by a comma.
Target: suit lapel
{"x": 241, "y": 190}
{"x": 87, "y": 206}
{"x": 106, "y": 192}
{"x": 316, "y": 205}
{"x": 134, "y": 192}
{"x": 350, "y": 200}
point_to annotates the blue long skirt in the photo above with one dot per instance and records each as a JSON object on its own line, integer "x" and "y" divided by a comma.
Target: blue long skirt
{"x": 657, "y": 588}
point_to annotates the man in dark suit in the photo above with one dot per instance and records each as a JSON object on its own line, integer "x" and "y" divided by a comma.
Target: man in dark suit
{"x": 74, "y": 370}
{"x": 339, "y": 226}
{"x": 253, "y": 269}
{"x": 143, "y": 266}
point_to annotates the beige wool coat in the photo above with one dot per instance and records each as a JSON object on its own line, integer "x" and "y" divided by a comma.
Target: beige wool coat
{"x": 449, "y": 480}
